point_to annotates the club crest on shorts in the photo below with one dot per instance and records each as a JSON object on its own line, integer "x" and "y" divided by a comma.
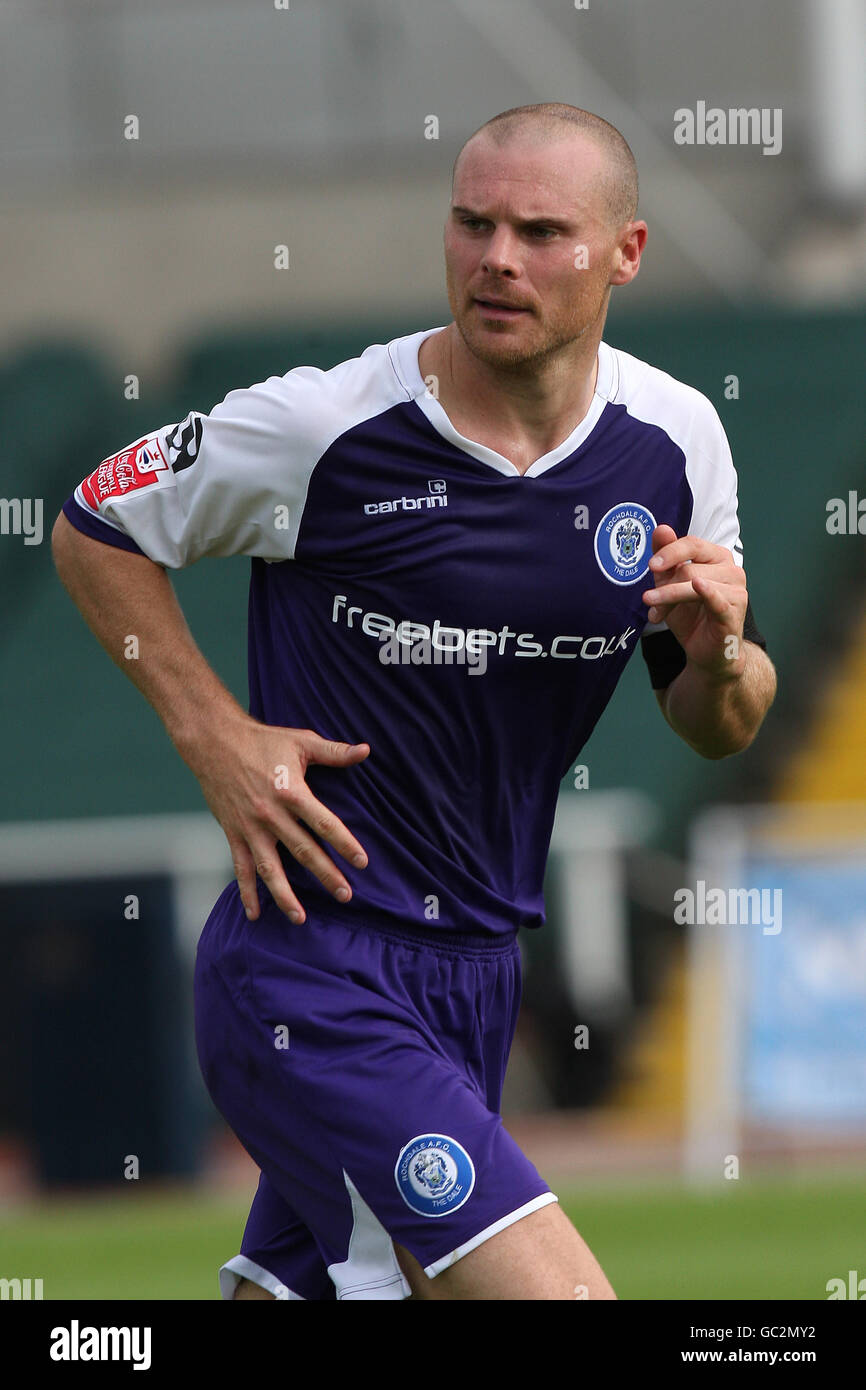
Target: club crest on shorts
{"x": 435, "y": 1174}
{"x": 623, "y": 542}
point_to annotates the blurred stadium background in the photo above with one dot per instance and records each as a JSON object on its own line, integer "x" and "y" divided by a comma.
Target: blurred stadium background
{"x": 139, "y": 283}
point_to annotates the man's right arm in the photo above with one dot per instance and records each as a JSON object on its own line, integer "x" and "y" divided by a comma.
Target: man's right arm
{"x": 122, "y": 594}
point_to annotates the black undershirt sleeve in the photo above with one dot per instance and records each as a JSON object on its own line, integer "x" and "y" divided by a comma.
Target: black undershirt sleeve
{"x": 665, "y": 657}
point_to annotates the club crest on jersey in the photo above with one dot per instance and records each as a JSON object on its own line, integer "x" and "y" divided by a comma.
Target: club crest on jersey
{"x": 434, "y": 1174}
{"x": 623, "y": 542}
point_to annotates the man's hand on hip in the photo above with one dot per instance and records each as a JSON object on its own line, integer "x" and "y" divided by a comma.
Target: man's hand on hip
{"x": 253, "y": 776}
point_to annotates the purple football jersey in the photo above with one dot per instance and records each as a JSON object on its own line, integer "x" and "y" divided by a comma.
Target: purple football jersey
{"x": 411, "y": 589}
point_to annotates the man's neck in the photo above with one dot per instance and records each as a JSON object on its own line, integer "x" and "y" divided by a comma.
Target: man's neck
{"x": 522, "y": 416}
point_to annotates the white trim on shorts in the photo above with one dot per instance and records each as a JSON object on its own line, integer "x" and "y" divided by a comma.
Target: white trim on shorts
{"x": 439, "y": 1266}
{"x": 370, "y": 1269}
{"x": 240, "y": 1267}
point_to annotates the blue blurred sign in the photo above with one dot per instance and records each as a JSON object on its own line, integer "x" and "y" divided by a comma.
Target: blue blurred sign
{"x": 805, "y": 1034}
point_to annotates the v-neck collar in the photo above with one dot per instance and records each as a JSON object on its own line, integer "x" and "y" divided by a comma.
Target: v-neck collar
{"x": 404, "y": 355}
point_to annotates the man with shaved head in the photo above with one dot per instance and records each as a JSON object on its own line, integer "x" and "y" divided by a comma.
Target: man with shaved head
{"x": 554, "y": 120}
{"x": 457, "y": 541}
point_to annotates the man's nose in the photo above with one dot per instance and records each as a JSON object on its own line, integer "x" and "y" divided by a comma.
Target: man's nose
{"x": 500, "y": 253}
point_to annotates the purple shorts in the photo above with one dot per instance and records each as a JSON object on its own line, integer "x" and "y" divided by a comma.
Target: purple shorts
{"x": 362, "y": 1069}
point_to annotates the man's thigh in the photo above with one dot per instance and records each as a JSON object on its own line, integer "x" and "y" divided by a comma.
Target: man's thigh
{"x": 246, "y": 1289}
{"x": 541, "y": 1256}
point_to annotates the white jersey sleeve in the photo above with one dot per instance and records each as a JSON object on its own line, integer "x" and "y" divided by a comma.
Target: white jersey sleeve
{"x": 229, "y": 483}
{"x": 713, "y": 481}
{"x": 234, "y": 481}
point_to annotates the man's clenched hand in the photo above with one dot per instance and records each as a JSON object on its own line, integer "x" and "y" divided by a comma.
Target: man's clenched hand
{"x": 701, "y": 594}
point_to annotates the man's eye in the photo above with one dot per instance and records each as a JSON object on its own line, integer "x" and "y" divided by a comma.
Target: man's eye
{"x": 471, "y": 221}
{"x": 543, "y": 231}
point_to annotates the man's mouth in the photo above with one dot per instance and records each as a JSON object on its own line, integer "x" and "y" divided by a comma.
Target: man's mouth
{"x": 499, "y": 309}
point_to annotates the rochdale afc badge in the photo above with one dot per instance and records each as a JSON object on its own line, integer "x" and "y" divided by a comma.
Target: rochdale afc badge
{"x": 623, "y": 542}
{"x": 434, "y": 1174}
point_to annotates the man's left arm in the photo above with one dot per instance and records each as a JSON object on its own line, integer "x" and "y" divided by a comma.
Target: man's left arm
{"x": 720, "y": 697}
